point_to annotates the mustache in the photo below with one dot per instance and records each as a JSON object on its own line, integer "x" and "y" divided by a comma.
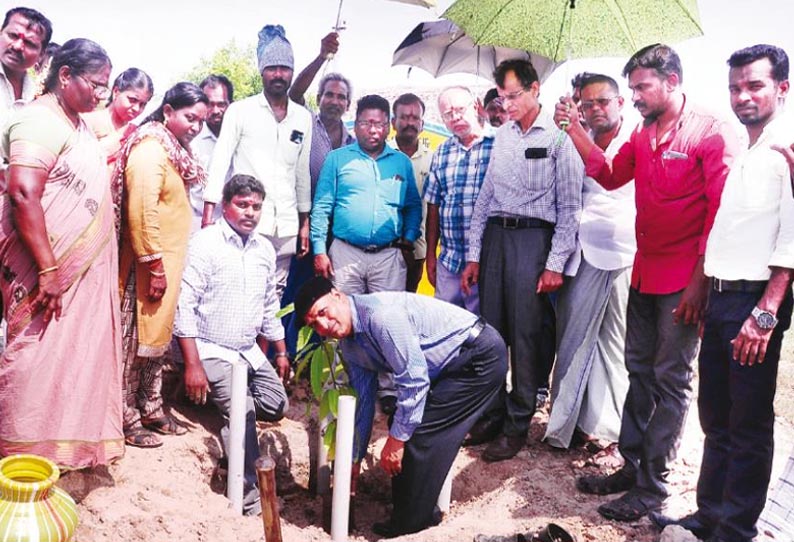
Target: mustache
{"x": 282, "y": 81}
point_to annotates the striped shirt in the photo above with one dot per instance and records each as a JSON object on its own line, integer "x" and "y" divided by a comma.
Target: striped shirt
{"x": 455, "y": 177}
{"x": 228, "y": 295}
{"x": 547, "y": 186}
{"x": 412, "y": 336}
{"x": 321, "y": 146}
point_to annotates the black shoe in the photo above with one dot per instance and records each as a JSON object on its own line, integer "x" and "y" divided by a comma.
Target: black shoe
{"x": 386, "y": 529}
{"x": 504, "y": 447}
{"x": 485, "y": 430}
{"x": 617, "y": 482}
{"x": 388, "y": 404}
{"x": 691, "y": 523}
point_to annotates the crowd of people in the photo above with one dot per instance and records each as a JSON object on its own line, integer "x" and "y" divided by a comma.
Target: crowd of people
{"x": 574, "y": 249}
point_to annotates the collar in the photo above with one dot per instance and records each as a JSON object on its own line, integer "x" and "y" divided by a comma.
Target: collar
{"x": 483, "y": 136}
{"x": 28, "y": 86}
{"x": 775, "y": 131}
{"x": 387, "y": 151}
{"x": 262, "y": 100}
{"x": 206, "y": 133}
{"x": 231, "y": 236}
{"x": 358, "y": 327}
{"x": 422, "y": 149}
{"x": 544, "y": 121}
{"x": 348, "y": 136}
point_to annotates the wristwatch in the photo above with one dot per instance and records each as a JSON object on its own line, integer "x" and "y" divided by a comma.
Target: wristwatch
{"x": 764, "y": 319}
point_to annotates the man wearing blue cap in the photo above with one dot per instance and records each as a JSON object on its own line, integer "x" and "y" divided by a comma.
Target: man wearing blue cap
{"x": 268, "y": 137}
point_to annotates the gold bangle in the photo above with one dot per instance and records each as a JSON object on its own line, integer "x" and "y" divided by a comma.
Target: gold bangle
{"x": 48, "y": 270}
{"x": 156, "y": 274}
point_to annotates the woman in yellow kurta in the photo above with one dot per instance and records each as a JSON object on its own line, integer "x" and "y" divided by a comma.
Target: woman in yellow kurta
{"x": 155, "y": 169}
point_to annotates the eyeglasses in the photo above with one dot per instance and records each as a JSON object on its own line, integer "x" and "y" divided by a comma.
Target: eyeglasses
{"x": 454, "y": 112}
{"x": 587, "y": 105}
{"x": 368, "y": 124}
{"x": 513, "y": 95}
{"x": 100, "y": 91}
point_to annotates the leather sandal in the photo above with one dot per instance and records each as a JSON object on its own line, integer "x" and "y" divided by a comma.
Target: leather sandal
{"x": 165, "y": 425}
{"x": 616, "y": 482}
{"x": 141, "y": 438}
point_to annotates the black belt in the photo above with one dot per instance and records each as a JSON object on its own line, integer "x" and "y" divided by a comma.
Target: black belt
{"x": 372, "y": 249}
{"x": 475, "y": 331}
{"x": 746, "y": 286}
{"x": 510, "y": 223}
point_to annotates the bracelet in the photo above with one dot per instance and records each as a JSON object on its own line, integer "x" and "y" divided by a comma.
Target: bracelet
{"x": 48, "y": 270}
{"x": 156, "y": 274}
{"x": 281, "y": 355}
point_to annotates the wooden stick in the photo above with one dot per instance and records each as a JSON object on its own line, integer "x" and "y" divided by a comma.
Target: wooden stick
{"x": 266, "y": 473}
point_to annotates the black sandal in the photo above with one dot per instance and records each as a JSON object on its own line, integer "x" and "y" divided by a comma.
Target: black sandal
{"x": 599, "y": 484}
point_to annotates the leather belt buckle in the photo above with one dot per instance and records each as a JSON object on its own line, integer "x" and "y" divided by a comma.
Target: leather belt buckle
{"x": 509, "y": 223}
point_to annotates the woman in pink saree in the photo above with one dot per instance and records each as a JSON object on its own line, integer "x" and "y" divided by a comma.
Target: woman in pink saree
{"x": 60, "y": 375}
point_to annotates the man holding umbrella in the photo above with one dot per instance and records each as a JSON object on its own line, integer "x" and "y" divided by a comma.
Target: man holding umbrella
{"x": 679, "y": 158}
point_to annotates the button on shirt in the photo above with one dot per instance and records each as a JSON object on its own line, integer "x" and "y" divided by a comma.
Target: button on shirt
{"x": 456, "y": 175}
{"x": 548, "y": 188}
{"x": 678, "y": 182}
{"x": 228, "y": 295}
{"x": 276, "y": 153}
{"x": 372, "y": 201}
{"x": 606, "y": 229}
{"x": 321, "y": 146}
{"x": 203, "y": 146}
{"x": 412, "y": 336}
{"x": 754, "y": 227}
{"x": 420, "y": 160}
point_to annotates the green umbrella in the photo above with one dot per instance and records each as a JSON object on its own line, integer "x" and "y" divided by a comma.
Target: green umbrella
{"x": 566, "y": 29}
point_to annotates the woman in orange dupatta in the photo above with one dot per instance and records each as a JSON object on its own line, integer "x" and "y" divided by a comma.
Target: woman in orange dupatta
{"x": 60, "y": 375}
{"x": 155, "y": 168}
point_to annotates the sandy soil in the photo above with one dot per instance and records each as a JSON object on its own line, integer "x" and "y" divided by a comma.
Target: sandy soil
{"x": 176, "y": 492}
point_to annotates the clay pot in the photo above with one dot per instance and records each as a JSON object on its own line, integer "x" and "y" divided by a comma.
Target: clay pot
{"x": 32, "y": 508}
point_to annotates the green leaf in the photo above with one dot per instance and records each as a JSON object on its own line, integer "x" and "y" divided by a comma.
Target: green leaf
{"x": 286, "y": 310}
{"x": 333, "y": 401}
{"x": 325, "y": 407}
{"x": 301, "y": 367}
{"x": 317, "y": 365}
{"x": 329, "y": 439}
{"x": 304, "y": 336}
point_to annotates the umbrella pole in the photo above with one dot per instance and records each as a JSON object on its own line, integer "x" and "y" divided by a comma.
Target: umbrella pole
{"x": 564, "y": 123}
{"x": 337, "y": 28}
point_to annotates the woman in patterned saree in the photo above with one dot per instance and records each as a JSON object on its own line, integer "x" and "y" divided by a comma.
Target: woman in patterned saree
{"x": 60, "y": 375}
{"x": 155, "y": 169}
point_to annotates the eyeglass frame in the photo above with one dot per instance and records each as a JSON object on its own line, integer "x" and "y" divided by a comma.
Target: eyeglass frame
{"x": 587, "y": 105}
{"x": 100, "y": 92}
{"x": 367, "y": 124}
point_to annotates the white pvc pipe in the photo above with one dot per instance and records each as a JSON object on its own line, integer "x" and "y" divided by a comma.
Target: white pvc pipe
{"x": 236, "y": 445}
{"x": 343, "y": 463}
{"x": 446, "y": 494}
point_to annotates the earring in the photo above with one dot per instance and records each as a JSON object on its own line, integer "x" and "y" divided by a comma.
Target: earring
{"x": 165, "y": 122}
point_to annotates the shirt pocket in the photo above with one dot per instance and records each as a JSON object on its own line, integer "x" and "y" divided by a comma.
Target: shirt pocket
{"x": 392, "y": 191}
{"x": 679, "y": 175}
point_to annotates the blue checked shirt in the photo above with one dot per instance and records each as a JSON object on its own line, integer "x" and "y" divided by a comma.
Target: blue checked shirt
{"x": 372, "y": 201}
{"x": 455, "y": 177}
{"x": 228, "y": 295}
{"x": 412, "y": 336}
{"x": 547, "y": 188}
{"x": 321, "y": 146}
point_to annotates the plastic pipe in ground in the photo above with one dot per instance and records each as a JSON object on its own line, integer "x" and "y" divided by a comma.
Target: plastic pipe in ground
{"x": 236, "y": 445}
{"x": 343, "y": 463}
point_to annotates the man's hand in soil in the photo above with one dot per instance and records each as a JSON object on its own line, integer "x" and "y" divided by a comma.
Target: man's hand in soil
{"x": 391, "y": 457}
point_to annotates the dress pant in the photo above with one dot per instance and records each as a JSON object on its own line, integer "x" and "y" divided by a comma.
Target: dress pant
{"x": 659, "y": 357}
{"x": 737, "y": 416}
{"x": 511, "y": 263}
{"x": 457, "y": 398}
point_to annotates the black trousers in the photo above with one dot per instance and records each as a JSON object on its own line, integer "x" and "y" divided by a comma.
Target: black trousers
{"x": 458, "y": 397}
{"x": 510, "y": 265}
{"x": 737, "y": 417}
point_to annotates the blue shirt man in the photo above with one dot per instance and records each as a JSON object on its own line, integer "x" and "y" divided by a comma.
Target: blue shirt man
{"x": 370, "y": 192}
{"x": 425, "y": 343}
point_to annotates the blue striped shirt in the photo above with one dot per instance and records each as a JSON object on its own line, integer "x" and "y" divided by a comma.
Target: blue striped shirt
{"x": 547, "y": 187}
{"x": 372, "y": 201}
{"x": 412, "y": 336}
{"x": 455, "y": 177}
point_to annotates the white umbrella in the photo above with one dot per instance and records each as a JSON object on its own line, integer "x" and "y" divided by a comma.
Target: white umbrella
{"x": 440, "y": 47}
